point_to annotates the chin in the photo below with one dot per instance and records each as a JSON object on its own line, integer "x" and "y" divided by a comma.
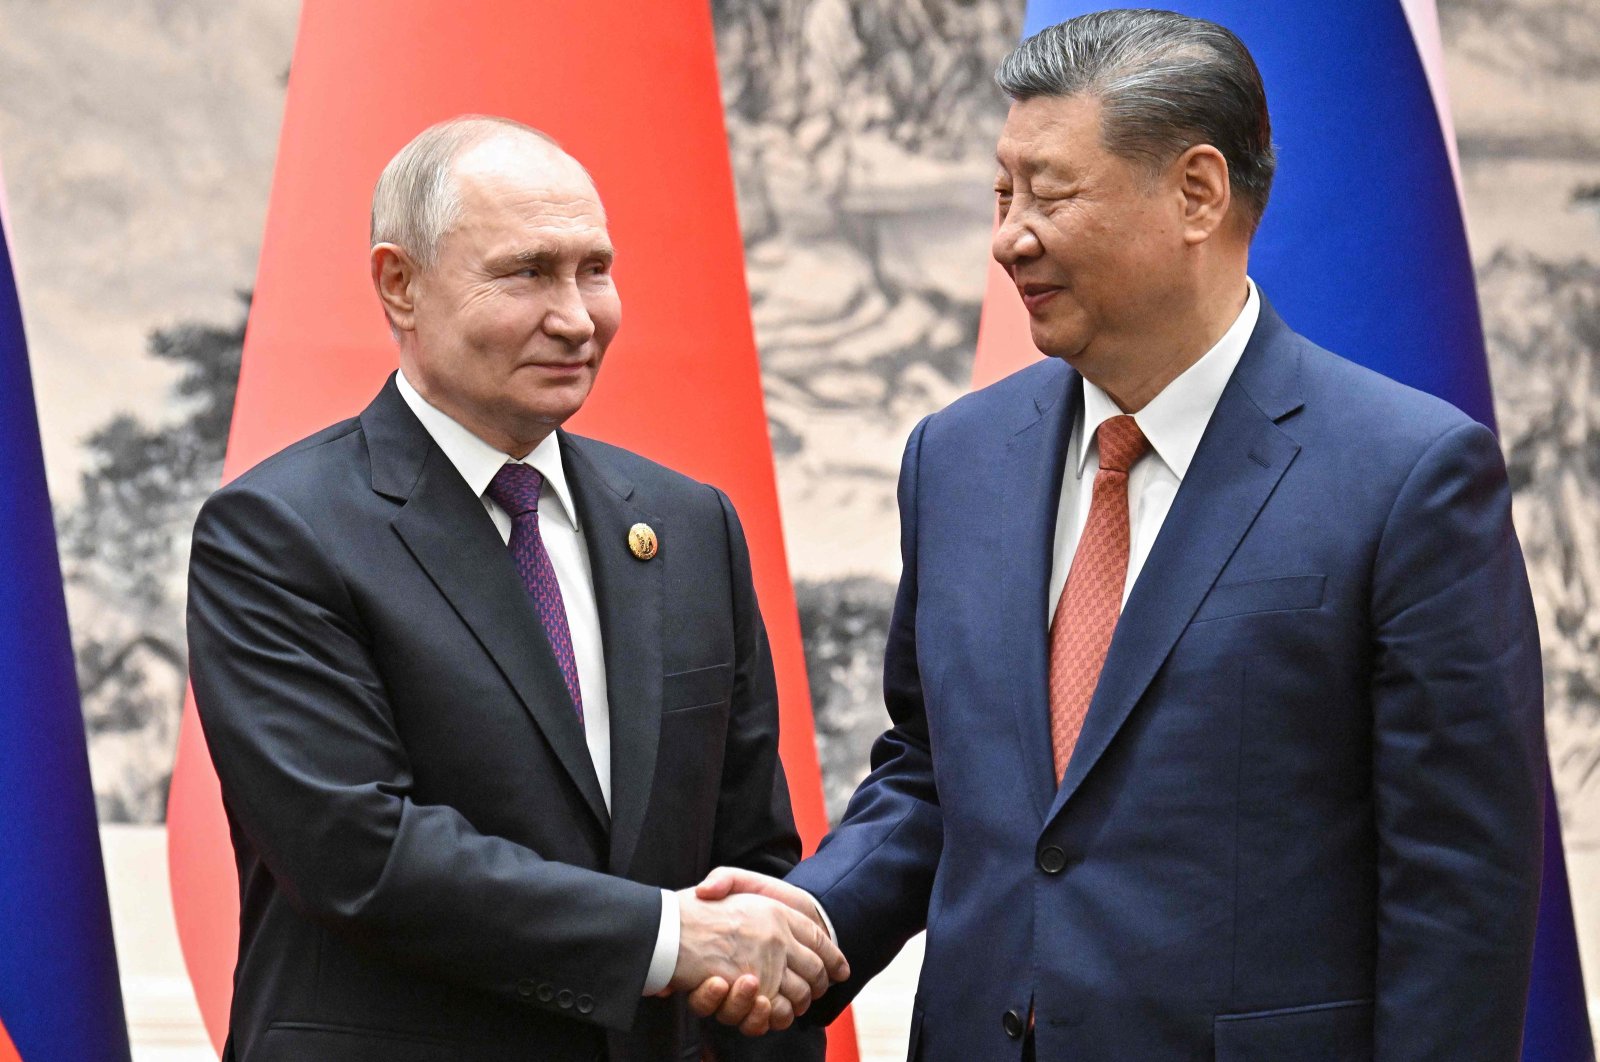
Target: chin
{"x": 1054, "y": 345}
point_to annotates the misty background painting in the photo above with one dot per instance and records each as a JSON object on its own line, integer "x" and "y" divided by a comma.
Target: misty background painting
{"x": 138, "y": 136}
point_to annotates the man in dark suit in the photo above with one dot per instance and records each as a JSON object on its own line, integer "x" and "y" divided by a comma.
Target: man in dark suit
{"x": 1213, "y": 671}
{"x": 482, "y": 694}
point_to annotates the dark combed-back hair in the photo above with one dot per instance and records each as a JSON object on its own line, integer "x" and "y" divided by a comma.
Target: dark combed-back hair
{"x": 1165, "y": 83}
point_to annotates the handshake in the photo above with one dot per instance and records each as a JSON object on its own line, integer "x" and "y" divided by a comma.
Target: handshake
{"x": 752, "y": 951}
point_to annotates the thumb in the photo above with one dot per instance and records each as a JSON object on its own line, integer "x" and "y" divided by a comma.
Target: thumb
{"x": 719, "y": 884}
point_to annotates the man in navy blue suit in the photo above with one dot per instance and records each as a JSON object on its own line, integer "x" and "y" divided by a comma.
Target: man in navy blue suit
{"x": 1213, "y": 673}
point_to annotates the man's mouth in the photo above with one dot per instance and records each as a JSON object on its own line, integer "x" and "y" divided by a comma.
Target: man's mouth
{"x": 1034, "y": 296}
{"x": 558, "y": 368}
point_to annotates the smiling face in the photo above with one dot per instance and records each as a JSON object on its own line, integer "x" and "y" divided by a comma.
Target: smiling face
{"x": 506, "y": 329}
{"x": 1095, "y": 243}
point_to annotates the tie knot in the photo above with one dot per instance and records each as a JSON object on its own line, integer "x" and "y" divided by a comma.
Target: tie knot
{"x": 1121, "y": 443}
{"x": 515, "y": 488}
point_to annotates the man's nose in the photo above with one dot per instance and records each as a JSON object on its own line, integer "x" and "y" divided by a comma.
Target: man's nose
{"x": 1013, "y": 240}
{"x": 568, "y": 317}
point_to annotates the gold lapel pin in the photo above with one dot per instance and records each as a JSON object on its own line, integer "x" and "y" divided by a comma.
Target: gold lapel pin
{"x": 642, "y": 541}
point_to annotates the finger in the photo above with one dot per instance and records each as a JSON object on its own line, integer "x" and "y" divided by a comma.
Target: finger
{"x": 826, "y": 950}
{"x": 705, "y": 1000}
{"x": 718, "y": 884}
{"x": 805, "y": 962}
{"x": 832, "y": 958}
{"x": 782, "y": 1015}
{"x": 797, "y": 992}
{"x": 742, "y": 999}
{"x": 759, "y": 1019}
{"x": 725, "y": 881}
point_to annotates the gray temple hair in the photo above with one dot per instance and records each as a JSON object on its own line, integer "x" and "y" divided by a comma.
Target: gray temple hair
{"x": 416, "y": 200}
{"x": 1165, "y": 83}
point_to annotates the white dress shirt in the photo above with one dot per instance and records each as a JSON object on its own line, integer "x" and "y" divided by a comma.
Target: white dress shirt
{"x": 478, "y": 462}
{"x": 1173, "y": 421}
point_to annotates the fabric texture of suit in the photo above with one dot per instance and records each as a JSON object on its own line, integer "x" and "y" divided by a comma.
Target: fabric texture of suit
{"x": 428, "y": 871}
{"x": 1303, "y": 818}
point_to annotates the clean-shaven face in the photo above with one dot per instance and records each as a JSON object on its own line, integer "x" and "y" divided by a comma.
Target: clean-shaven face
{"x": 1092, "y": 241}
{"x": 514, "y": 316}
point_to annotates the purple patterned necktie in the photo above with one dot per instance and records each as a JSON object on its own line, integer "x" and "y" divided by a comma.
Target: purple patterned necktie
{"x": 515, "y": 489}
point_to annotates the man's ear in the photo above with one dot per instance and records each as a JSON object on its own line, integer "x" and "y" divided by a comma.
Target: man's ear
{"x": 394, "y": 275}
{"x": 1202, "y": 175}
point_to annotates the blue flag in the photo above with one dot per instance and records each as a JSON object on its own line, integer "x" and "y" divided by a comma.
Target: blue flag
{"x": 59, "y": 995}
{"x": 1363, "y": 249}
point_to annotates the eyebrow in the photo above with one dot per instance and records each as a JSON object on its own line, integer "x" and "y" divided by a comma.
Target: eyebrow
{"x": 544, "y": 259}
{"x": 1033, "y": 166}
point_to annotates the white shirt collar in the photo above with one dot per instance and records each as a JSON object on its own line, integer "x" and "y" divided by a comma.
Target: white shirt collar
{"x": 1175, "y": 419}
{"x": 476, "y": 460}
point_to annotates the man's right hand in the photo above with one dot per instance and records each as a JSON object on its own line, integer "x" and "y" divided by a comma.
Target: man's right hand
{"x": 774, "y": 960}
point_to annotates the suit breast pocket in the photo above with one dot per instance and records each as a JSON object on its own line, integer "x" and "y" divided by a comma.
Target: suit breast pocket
{"x": 1322, "y": 1032}
{"x": 697, "y": 688}
{"x": 1284, "y": 594}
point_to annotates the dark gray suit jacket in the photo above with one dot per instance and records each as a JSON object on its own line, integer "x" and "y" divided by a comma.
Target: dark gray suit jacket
{"x": 427, "y": 868}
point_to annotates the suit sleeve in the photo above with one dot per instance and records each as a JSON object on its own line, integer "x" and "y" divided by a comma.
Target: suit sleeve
{"x": 874, "y": 872}
{"x": 317, "y": 782}
{"x": 1458, "y": 761}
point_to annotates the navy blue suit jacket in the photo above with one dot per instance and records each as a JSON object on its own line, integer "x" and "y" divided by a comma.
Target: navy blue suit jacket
{"x": 1303, "y": 819}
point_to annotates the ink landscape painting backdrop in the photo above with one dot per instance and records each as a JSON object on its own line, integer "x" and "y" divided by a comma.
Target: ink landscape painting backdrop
{"x": 138, "y": 139}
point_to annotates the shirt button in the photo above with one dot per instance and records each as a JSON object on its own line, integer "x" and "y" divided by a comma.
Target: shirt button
{"x": 1052, "y": 860}
{"x": 1013, "y": 1024}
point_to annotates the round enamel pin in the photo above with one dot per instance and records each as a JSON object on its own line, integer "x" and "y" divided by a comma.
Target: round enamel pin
{"x": 642, "y": 541}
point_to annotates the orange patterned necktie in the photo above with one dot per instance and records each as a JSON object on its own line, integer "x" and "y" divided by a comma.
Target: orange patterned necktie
{"x": 1086, "y": 615}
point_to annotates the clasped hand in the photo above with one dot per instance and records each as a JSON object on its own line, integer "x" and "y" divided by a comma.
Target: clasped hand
{"x": 752, "y": 951}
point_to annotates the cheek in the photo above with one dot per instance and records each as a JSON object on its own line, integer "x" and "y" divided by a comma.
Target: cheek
{"x": 605, "y": 310}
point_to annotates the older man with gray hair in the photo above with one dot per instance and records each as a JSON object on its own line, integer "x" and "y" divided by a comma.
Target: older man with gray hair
{"x": 486, "y": 698}
{"x": 1213, "y": 674}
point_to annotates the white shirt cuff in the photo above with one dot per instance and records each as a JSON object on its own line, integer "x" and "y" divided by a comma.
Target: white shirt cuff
{"x": 665, "y": 959}
{"x": 823, "y": 912}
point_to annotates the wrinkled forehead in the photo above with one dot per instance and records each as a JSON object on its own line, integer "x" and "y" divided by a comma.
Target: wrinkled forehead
{"x": 1050, "y": 133}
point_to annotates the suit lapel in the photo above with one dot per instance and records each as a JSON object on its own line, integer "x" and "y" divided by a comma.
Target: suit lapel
{"x": 629, "y": 595}
{"x": 451, "y": 536}
{"x": 1242, "y": 456}
{"x": 1035, "y": 460}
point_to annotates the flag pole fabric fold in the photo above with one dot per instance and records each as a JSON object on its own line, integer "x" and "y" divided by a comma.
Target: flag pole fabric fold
{"x": 59, "y": 993}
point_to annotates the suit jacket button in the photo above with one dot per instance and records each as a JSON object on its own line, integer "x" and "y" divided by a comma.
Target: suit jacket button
{"x": 525, "y": 987}
{"x": 585, "y": 1004}
{"x": 1014, "y": 1025}
{"x": 1052, "y": 860}
{"x": 564, "y": 999}
{"x": 546, "y": 993}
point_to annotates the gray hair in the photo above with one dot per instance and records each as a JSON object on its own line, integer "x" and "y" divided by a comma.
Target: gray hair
{"x": 416, "y": 200}
{"x": 1165, "y": 82}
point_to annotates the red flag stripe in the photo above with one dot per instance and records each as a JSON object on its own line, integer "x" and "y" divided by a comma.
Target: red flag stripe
{"x": 8, "y": 1050}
